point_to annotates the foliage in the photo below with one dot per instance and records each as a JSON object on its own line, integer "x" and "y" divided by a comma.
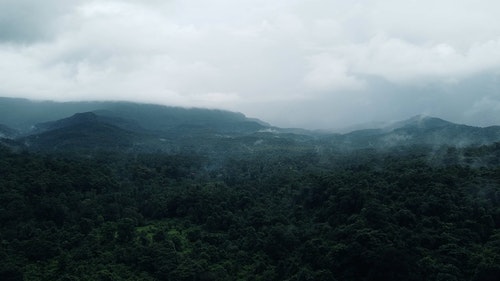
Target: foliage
{"x": 275, "y": 214}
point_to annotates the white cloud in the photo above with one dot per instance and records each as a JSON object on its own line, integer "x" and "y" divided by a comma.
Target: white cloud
{"x": 403, "y": 62}
{"x": 254, "y": 56}
{"x": 330, "y": 74}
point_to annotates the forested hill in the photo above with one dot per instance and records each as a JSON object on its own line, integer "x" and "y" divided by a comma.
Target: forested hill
{"x": 284, "y": 214}
{"x": 6, "y": 132}
{"x": 122, "y": 191}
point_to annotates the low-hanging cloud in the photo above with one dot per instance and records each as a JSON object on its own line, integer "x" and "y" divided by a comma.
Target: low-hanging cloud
{"x": 325, "y": 61}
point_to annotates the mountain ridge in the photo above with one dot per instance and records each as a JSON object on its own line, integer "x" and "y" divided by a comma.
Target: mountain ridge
{"x": 155, "y": 127}
{"x": 23, "y": 114}
{"x": 87, "y": 117}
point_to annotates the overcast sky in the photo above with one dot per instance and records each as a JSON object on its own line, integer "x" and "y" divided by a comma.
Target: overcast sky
{"x": 293, "y": 63}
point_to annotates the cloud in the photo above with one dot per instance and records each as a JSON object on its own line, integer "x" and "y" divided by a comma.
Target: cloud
{"x": 323, "y": 60}
{"x": 458, "y": 23}
{"x": 26, "y": 21}
{"x": 329, "y": 73}
{"x": 400, "y": 61}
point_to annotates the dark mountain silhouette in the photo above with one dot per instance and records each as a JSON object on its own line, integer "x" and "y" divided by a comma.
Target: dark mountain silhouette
{"x": 81, "y": 131}
{"x": 88, "y": 118}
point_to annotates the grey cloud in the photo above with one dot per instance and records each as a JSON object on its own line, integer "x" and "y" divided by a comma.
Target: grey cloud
{"x": 28, "y": 21}
{"x": 316, "y": 64}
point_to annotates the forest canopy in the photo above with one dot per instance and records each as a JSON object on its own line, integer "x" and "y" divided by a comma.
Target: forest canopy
{"x": 404, "y": 214}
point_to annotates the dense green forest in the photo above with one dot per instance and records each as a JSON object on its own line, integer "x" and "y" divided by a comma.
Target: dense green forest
{"x": 403, "y": 214}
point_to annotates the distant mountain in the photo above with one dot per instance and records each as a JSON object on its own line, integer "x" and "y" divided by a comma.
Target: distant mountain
{"x": 423, "y": 122}
{"x": 163, "y": 118}
{"x": 87, "y": 118}
{"x": 431, "y": 130}
{"x": 81, "y": 131}
{"x": 153, "y": 128}
{"x": 145, "y": 127}
{"x": 23, "y": 114}
{"x": 419, "y": 130}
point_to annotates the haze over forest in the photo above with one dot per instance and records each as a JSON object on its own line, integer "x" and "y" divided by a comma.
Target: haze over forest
{"x": 316, "y": 64}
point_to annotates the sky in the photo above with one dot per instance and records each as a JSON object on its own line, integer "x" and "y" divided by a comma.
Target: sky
{"x": 317, "y": 64}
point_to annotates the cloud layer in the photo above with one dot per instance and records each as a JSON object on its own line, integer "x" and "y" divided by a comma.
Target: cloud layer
{"x": 315, "y": 63}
